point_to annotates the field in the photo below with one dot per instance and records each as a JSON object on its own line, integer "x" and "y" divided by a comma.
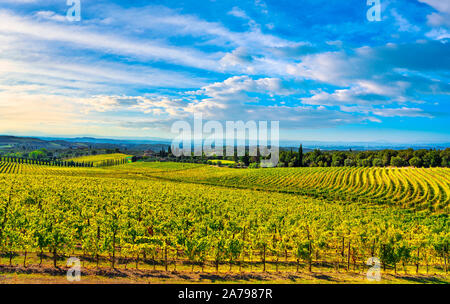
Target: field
{"x": 172, "y": 222}
{"x": 101, "y": 159}
{"x": 223, "y": 162}
{"x": 412, "y": 188}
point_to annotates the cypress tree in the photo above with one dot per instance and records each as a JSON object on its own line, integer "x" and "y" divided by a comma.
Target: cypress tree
{"x": 300, "y": 156}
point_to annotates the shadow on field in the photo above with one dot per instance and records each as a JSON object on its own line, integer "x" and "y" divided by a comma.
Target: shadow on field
{"x": 288, "y": 277}
{"x": 423, "y": 279}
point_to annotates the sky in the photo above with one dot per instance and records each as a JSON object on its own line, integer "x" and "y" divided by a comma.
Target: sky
{"x": 130, "y": 69}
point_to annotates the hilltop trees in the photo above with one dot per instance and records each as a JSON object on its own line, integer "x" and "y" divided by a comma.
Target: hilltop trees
{"x": 381, "y": 158}
{"x": 288, "y": 157}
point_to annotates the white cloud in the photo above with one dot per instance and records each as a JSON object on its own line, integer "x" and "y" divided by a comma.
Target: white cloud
{"x": 387, "y": 112}
{"x": 238, "y": 58}
{"x": 403, "y": 24}
{"x": 438, "y": 34}
{"x": 46, "y": 28}
{"x": 83, "y": 37}
{"x": 96, "y": 76}
{"x": 443, "y": 15}
{"x": 436, "y": 19}
{"x": 363, "y": 93}
{"x": 33, "y": 61}
{"x": 49, "y": 15}
{"x": 442, "y": 6}
{"x": 262, "y": 6}
{"x": 381, "y": 75}
{"x": 33, "y": 68}
{"x": 227, "y": 100}
{"x": 330, "y": 67}
{"x": 171, "y": 23}
{"x": 240, "y": 84}
{"x": 237, "y": 12}
{"x": 401, "y": 112}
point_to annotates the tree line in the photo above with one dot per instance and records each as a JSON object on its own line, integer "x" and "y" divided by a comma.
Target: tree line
{"x": 319, "y": 158}
{"x": 57, "y": 163}
{"x": 380, "y": 158}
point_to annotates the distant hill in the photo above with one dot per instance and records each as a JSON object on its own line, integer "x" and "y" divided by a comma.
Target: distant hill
{"x": 157, "y": 144}
{"x": 109, "y": 140}
{"x": 31, "y": 143}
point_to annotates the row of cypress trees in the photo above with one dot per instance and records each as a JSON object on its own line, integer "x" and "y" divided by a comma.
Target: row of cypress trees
{"x": 57, "y": 163}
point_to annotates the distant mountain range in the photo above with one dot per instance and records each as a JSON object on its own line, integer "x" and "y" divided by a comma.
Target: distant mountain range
{"x": 110, "y": 140}
{"x": 157, "y": 144}
{"x": 53, "y": 143}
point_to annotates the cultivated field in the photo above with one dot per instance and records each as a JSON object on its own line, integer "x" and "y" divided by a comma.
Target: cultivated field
{"x": 101, "y": 159}
{"x": 223, "y": 224}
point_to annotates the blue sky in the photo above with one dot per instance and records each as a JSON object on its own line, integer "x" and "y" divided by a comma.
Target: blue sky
{"x": 132, "y": 68}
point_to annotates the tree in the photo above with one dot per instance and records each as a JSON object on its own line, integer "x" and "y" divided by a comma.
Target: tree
{"x": 415, "y": 162}
{"x": 38, "y": 154}
{"x": 406, "y": 154}
{"x": 445, "y": 155}
{"x": 245, "y": 159}
{"x": 338, "y": 159}
{"x": 387, "y": 155}
{"x": 364, "y": 162}
{"x": 349, "y": 162}
{"x": 300, "y": 156}
{"x": 432, "y": 159}
{"x": 397, "y": 161}
{"x": 377, "y": 162}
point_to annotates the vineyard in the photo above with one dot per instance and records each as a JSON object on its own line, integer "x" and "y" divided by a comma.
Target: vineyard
{"x": 412, "y": 188}
{"x": 168, "y": 215}
{"x": 103, "y": 159}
